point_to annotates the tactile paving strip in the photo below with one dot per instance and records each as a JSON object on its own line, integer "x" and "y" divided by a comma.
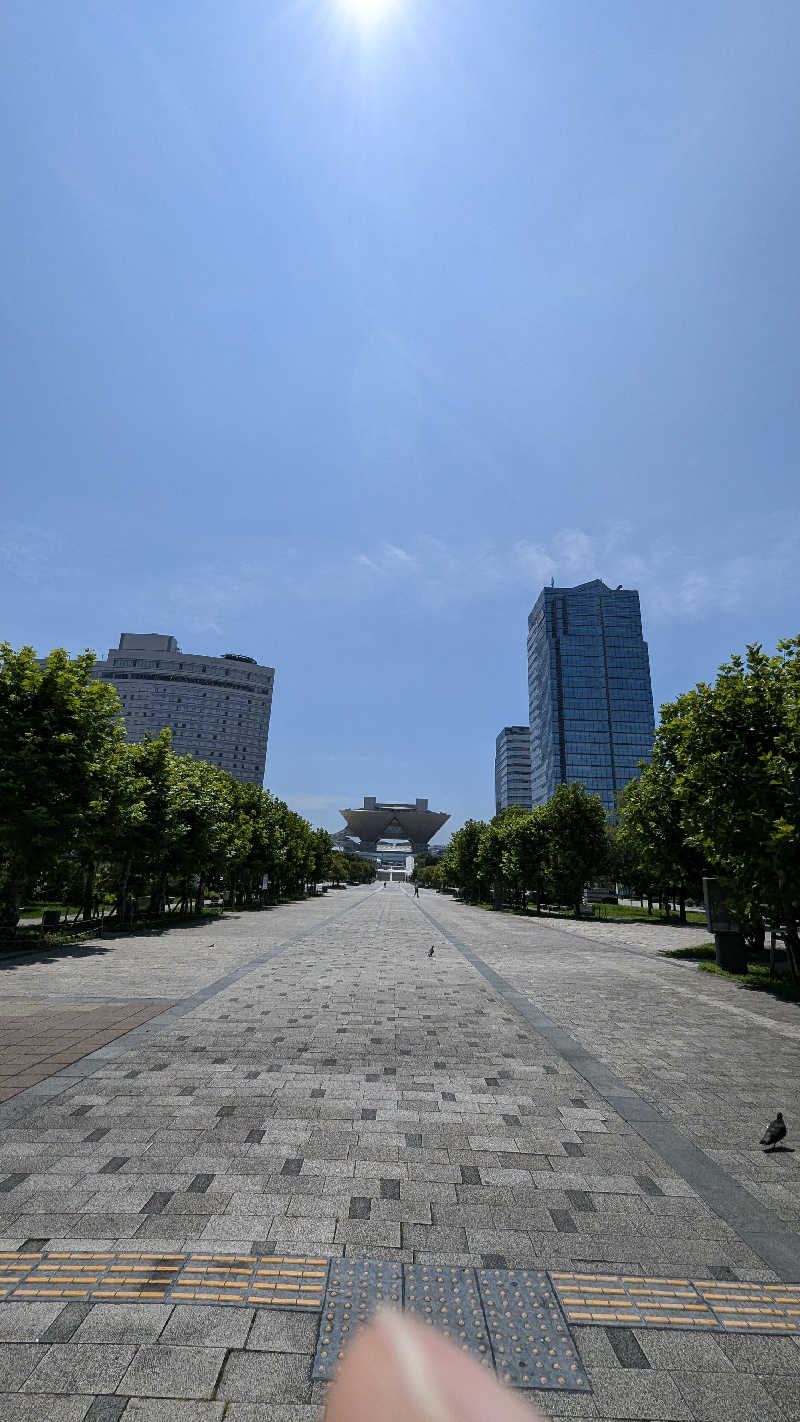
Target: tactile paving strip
{"x": 753, "y": 1308}
{"x": 449, "y": 1299}
{"x": 639, "y": 1302}
{"x": 279, "y": 1282}
{"x": 531, "y": 1342}
{"x": 356, "y": 1288}
{"x": 679, "y": 1303}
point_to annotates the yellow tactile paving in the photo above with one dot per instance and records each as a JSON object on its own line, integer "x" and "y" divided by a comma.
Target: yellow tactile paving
{"x": 275, "y": 1281}
{"x": 679, "y": 1303}
{"x": 281, "y": 1281}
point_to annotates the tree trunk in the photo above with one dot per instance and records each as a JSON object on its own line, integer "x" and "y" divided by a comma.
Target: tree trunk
{"x": 200, "y": 897}
{"x": 792, "y": 943}
{"x": 121, "y": 908}
{"x": 89, "y": 877}
{"x": 649, "y": 903}
{"x": 682, "y": 906}
{"x": 12, "y": 895}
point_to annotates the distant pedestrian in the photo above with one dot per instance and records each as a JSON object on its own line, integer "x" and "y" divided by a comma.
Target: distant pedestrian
{"x": 416, "y": 891}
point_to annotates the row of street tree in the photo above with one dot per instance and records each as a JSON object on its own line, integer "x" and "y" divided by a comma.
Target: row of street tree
{"x": 86, "y": 814}
{"x": 550, "y": 853}
{"x": 720, "y": 797}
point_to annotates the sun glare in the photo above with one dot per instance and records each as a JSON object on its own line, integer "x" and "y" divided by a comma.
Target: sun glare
{"x": 367, "y": 12}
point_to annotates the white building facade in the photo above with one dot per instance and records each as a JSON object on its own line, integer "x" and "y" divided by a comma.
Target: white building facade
{"x": 217, "y": 708}
{"x": 512, "y": 768}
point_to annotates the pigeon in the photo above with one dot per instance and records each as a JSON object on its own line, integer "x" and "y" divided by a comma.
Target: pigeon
{"x": 430, "y": 951}
{"x": 776, "y": 1130}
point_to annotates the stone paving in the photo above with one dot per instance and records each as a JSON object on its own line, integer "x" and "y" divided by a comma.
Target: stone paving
{"x": 320, "y": 1086}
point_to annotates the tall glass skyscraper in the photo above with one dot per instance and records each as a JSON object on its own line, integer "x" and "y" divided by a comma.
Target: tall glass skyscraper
{"x": 589, "y": 693}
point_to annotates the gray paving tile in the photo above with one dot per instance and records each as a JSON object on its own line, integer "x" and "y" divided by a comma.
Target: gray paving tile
{"x": 162, "y": 1409}
{"x": 107, "y": 1409}
{"x": 19, "y": 1408}
{"x": 273, "y": 1412}
{"x": 208, "y": 1326}
{"x": 727, "y": 1396}
{"x": 17, "y": 1362}
{"x": 26, "y": 1322}
{"x": 680, "y": 1352}
{"x": 624, "y": 1394}
{"x": 171, "y": 1370}
{"x": 266, "y": 1377}
{"x": 281, "y": 1331}
{"x": 123, "y": 1323}
{"x": 69, "y": 1367}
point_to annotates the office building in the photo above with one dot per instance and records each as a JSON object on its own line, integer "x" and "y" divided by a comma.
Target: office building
{"x": 589, "y": 693}
{"x": 217, "y": 708}
{"x": 512, "y": 768}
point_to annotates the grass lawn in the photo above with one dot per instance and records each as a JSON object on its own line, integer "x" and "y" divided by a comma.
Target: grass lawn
{"x": 632, "y": 911}
{"x": 756, "y": 979}
{"x": 702, "y": 953}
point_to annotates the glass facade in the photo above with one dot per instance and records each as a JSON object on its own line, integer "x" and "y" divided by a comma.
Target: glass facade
{"x": 589, "y": 693}
{"x": 512, "y": 768}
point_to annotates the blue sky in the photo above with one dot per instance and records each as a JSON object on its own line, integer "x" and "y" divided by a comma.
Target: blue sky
{"x": 331, "y": 343}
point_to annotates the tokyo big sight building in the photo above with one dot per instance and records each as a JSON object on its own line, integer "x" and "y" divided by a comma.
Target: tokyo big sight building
{"x": 589, "y": 692}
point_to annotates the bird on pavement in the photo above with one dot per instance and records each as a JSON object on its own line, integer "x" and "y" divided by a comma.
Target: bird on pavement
{"x": 430, "y": 951}
{"x": 776, "y": 1130}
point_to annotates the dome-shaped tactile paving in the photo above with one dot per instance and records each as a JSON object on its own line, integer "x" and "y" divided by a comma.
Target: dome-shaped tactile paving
{"x": 531, "y": 1342}
{"x": 448, "y": 1298}
{"x": 356, "y": 1288}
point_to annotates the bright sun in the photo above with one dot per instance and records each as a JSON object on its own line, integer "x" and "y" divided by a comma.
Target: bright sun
{"x": 367, "y": 12}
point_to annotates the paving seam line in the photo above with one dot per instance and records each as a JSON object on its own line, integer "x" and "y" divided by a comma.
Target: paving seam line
{"x": 52, "y": 1086}
{"x": 758, "y": 1228}
{"x": 773, "y": 1024}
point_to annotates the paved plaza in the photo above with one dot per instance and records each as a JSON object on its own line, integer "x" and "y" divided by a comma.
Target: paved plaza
{"x": 541, "y": 1101}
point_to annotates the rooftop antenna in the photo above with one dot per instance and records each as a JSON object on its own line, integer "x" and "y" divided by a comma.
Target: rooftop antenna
{"x": 552, "y": 582}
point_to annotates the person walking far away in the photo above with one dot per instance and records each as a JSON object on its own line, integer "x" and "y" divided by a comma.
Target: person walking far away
{"x": 416, "y": 891}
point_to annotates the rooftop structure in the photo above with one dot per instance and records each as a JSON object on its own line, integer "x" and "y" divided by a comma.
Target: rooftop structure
{"x": 411, "y": 823}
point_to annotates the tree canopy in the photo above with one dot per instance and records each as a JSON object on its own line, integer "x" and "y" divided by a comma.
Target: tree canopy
{"x": 81, "y": 804}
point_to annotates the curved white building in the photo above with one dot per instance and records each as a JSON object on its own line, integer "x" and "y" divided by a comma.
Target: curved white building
{"x": 217, "y": 708}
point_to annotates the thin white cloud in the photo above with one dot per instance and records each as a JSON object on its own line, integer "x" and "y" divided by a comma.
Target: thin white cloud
{"x": 30, "y": 552}
{"x": 427, "y": 572}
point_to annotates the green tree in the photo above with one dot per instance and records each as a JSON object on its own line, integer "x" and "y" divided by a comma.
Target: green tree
{"x": 525, "y": 851}
{"x": 58, "y": 726}
{"x": 322, "y": 847}
{"x": 652, "y": 829}
{"x": 460, "y": 863}
{"x": 735, "y": 747}
{"x": 201, "y": 814}
{"x": 150, "y": 842}
{"x": 575, "y": 825}
{"x": 112, "y": 816}
{"x": 430, "y": 876}
{"x": 489, "y": 862}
